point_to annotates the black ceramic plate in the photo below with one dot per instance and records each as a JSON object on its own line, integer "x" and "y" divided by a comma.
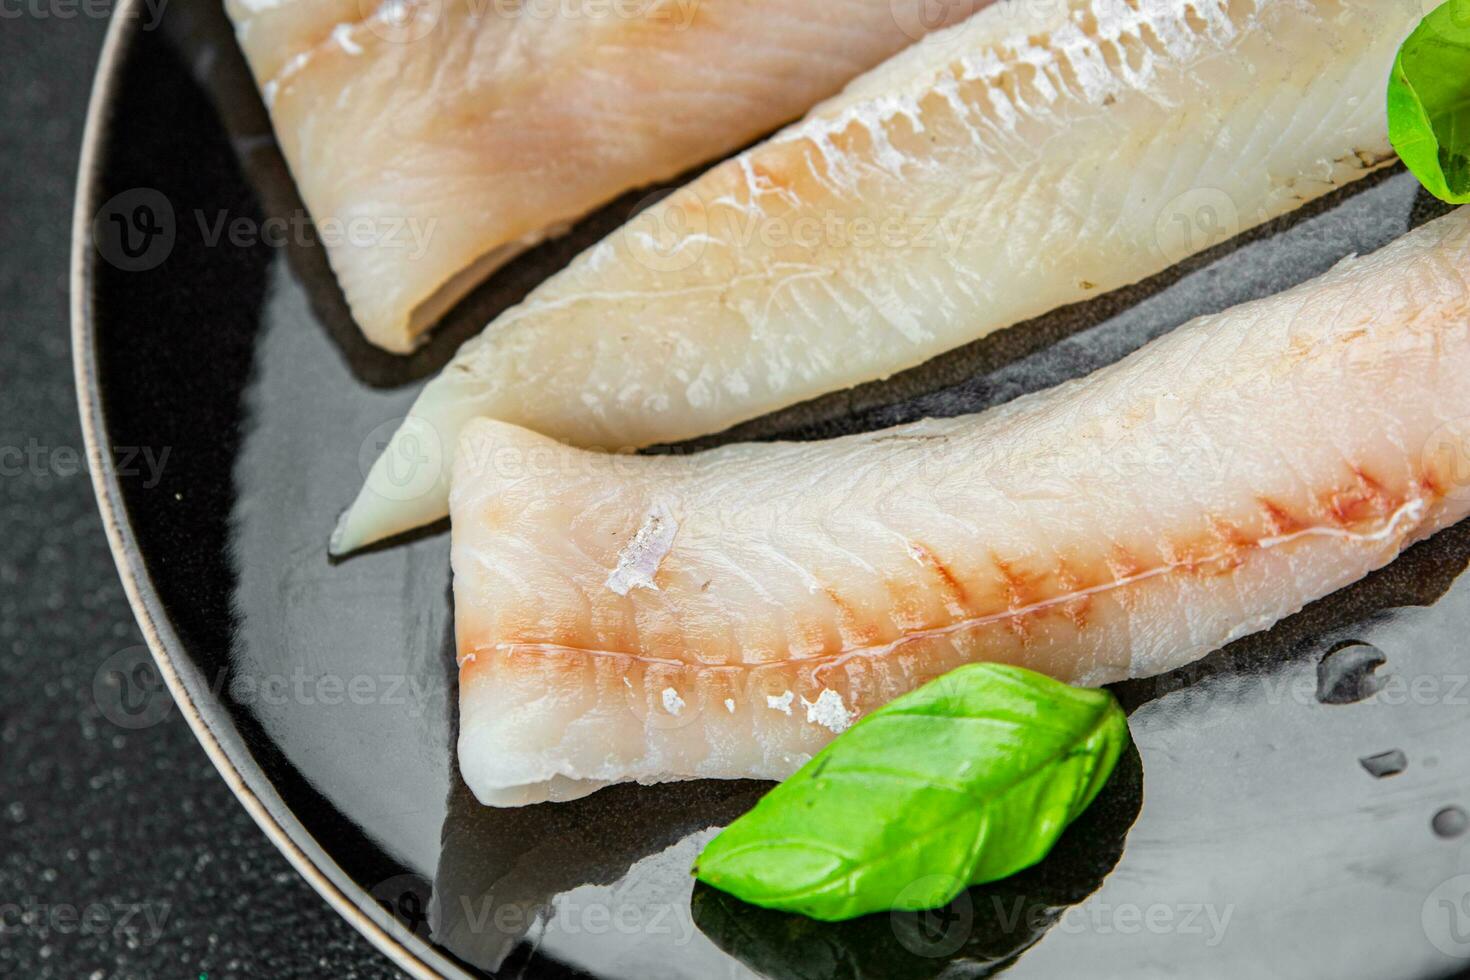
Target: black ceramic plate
{"x": 1245, "y": 838}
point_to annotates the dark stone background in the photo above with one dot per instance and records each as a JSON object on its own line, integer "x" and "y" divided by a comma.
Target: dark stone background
{"x": 132, "y": 832}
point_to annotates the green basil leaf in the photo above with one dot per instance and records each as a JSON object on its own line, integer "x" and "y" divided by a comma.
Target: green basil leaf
{"x": 969, "y": 779}
{"x": 1429, "y": 102}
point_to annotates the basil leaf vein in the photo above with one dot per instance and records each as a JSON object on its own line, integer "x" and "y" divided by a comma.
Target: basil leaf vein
{"x": 968, "y": 779}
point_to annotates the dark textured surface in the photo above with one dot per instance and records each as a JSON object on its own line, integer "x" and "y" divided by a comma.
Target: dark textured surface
{"x": 1256, "y": 813}
{"x": 122, "y": 853}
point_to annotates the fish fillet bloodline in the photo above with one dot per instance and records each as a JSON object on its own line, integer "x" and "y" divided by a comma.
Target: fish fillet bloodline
{"x": 1034, "y": 156}
{"x": 1121, "y": 525}
{"x": 433, "y": 141}
{"x": 1407, "y": 515}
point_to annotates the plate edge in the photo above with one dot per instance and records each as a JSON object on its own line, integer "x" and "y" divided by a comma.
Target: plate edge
{"x": 311, "y": 863}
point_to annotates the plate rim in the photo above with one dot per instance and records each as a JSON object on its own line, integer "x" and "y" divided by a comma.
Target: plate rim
{"x": 215, "y": 734}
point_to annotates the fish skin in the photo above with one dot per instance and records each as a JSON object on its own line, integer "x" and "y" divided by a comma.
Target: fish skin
{"x": 1064, "y": 179}
{"x": 484, "y": 125}
{"x": 1121, "y": 525}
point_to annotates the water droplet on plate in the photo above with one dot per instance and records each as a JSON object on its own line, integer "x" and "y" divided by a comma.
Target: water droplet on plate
{"x": 1450, "y": 822}
{"x": 1345, "y": 674}
{"x": 1389, "y": 763}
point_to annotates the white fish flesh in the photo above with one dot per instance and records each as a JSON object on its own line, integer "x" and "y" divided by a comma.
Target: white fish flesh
{"x": 1037, "y": 155}
{"x": 432, "y": 140}
{"x": 1117, "y": 526}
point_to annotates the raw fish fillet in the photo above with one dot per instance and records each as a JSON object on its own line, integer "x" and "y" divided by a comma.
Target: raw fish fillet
{"x": 432, "y": 140}
{"x": 1037, "y": 155}
{"x": 724, "y": 614}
